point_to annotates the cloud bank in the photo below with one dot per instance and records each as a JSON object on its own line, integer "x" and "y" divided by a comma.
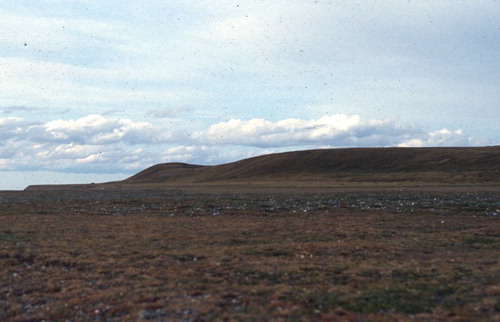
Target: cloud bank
{"x": 335, "y": 130}
{"x": 97, "y": 143}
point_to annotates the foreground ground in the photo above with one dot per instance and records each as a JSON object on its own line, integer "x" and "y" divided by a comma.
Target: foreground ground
{"x": 170, "y": 255}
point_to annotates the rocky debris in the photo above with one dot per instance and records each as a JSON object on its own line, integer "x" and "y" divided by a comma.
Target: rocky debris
{"x": 175, "y": 203}
{"x": 156, "y": 314}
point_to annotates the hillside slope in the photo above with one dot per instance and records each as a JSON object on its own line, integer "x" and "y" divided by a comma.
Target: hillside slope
{"x": 462, "y": 165}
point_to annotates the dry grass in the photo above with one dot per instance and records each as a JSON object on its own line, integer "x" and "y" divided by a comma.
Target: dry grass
{"x": 192, "y": 258}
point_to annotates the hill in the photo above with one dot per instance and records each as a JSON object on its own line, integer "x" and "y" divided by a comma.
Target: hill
{"x": 376, "y": 165}
{"x": 342, "y": 168}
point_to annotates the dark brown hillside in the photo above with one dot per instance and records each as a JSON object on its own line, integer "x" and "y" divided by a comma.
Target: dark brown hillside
{"x": 164, "y": 172}
{"x": 386, "y": 164}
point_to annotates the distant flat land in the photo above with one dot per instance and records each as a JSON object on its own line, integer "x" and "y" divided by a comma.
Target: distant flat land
{"x": 171, "y": 244}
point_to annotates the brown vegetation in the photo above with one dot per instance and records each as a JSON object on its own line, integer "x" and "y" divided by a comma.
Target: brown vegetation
{"x": 347, "y": 234}
{"x": 324, "y": 169}
{"x": 166, "y": 255}
{"x": 376, "y": 165}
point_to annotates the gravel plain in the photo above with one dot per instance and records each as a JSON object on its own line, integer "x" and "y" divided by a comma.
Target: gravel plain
{"x": 172, "y": 255}
{"x": 174, "y": 202}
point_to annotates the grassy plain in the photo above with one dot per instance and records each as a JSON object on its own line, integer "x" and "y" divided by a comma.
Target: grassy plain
{"x": 171, "y": 255}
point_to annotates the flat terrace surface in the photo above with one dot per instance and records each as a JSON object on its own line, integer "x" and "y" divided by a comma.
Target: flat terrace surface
{"x": 390, "y": 254}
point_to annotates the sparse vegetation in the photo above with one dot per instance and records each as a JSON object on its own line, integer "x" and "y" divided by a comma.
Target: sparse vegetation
{"x": 164, "y": 254}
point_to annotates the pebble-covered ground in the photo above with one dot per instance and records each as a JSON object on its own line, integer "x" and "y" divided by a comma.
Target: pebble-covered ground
{"x": 169, "y": 255}
{"x": 171, "y": 202}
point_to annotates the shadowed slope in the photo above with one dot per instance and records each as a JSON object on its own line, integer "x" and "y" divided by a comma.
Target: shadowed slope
{"x": 164, "y": 172}
{"x": 382, "y": 167}
{"x": 394, "y": 164}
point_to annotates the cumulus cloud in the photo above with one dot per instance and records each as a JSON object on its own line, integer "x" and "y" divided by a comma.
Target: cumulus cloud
{"x": 102, "y": 144}
{"x": 186, "y": 153}
{"x": 334, "y": 130}
{"x": 96, "y": 129}
{"x": 76, "y": 158}
{"x": 91, "y": 142}
{"x": 12, "y": 127}
{"x": 443, "y": 137}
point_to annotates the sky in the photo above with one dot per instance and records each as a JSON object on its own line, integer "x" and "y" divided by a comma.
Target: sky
{"x": 93, "y": 91}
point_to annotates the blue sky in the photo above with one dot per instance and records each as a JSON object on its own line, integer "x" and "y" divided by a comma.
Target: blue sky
{"x": 93, "y": 91}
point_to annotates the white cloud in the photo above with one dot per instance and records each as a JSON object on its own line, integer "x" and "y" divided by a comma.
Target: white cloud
{"x": 78, "y": 158}
{"x": 93, "y": 142}
{"x": 182, "y": 153}
{"x": 443, "y": 137}
{"x": 96, "y": 130}
{"x": 11, "y": 127}
{"x": 96, "y": 143}
{"x": 9, "y": 122}
{"x": 334, "y": 130}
